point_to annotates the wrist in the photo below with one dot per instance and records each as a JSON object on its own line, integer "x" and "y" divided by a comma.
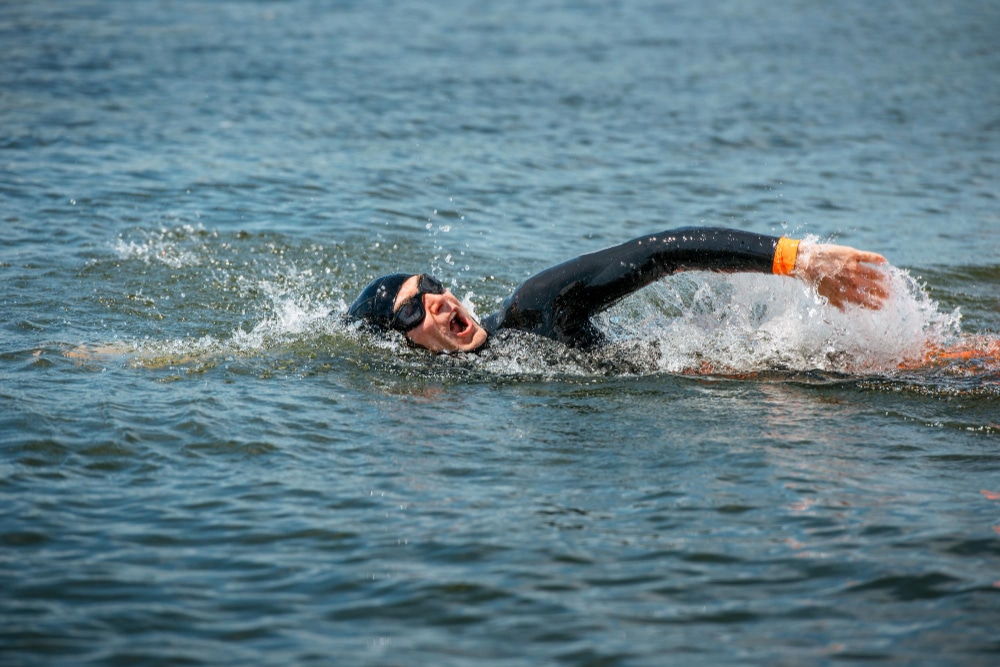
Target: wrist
{"x": 785, "y": 256}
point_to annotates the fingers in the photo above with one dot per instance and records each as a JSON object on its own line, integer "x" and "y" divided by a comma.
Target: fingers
{"x": 871, "y": 298}
{"x": 869, "y": 294}
{"x": 844, "y": 275}
{"x": 848, "y": 254}
{"x": 873, "y": 282}
{"x": 869, "y": 257}
{"x": 854, "y": 284}
{"x": 861, "y": 283}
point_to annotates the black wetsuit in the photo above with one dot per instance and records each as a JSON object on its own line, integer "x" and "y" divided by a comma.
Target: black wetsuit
{"x": 559, "y": 302}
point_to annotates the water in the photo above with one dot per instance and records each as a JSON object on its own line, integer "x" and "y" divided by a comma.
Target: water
{"x": 201, "y": 465}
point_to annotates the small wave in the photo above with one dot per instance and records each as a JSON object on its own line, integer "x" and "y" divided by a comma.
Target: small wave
{"x": 294, "y": 317}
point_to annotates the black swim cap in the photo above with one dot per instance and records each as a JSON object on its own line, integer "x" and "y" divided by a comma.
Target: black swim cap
{"x": 374, "y": 305}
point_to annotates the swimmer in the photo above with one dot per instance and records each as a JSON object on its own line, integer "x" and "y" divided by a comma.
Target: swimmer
{"x": 558, "y": 303}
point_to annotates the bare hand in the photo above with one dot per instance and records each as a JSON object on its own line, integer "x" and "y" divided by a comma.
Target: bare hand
{"x": 843, "y": 275}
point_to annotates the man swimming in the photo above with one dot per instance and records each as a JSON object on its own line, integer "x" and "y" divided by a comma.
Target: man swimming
{"x": 558, "y": 303}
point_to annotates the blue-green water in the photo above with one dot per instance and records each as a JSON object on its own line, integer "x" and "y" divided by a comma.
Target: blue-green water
{"x": 199, "y": 464}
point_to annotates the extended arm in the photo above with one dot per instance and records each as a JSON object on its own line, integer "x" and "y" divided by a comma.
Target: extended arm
{"x": 597, "y": 280}
{"x": 559, "y": 301}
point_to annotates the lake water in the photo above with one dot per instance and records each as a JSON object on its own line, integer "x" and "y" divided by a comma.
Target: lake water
{"x": 200, "y": 464}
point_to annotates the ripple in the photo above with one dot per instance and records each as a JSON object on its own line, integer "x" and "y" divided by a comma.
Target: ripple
{"x": 907, "y": 588}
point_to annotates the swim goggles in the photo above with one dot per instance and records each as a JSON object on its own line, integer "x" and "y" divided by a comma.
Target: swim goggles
{"x": 412, "y": 313}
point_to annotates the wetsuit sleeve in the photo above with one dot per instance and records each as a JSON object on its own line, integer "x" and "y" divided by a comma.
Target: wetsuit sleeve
{"x": 559, "y": 301}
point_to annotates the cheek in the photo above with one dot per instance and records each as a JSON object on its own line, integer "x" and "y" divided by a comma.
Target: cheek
{"x": 428, "y": 327}
{"x": 426, "y": 335}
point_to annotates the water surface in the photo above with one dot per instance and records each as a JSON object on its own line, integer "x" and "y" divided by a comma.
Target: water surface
{"x": 201, "y": 464}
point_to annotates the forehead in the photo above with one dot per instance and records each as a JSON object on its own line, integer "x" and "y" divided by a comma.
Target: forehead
{"x": 406, "y": 292}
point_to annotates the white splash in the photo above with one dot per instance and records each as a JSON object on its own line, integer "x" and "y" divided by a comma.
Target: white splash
{"x": 745, "y": 323}
{"x": 165, "y": 246}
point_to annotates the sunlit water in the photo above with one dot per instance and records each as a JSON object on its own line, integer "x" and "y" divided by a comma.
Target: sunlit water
{"x": 203, "y": 464}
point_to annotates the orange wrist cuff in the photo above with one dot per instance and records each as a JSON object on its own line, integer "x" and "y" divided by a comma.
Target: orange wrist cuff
{"x": 784, "y": 256}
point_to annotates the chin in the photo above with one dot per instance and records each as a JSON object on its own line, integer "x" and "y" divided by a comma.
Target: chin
{"x": 474, "y": 344}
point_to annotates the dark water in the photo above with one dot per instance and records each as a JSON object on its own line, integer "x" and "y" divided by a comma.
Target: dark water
{"x": 200, "y": 466}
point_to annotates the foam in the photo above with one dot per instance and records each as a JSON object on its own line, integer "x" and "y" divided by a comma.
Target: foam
{"x": 745, "y": 323}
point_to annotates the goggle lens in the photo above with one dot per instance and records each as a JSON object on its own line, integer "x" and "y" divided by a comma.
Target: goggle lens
{"x": 412, "y": 313}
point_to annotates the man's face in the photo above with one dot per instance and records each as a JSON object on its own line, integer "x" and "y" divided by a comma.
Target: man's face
{"x": 447, "y": 326}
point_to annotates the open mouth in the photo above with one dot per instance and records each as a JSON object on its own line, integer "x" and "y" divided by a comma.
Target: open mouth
{"x": 459, "y": 325}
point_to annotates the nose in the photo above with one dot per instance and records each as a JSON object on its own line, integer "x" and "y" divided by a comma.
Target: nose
{"x": 434, "y": 303}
